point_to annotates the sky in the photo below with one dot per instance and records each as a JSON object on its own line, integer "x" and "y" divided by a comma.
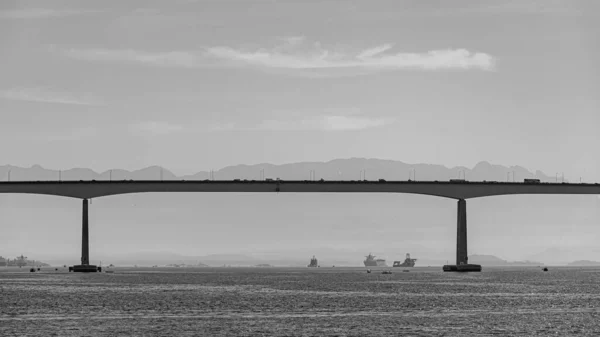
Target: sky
{"x": 199, "y": 85}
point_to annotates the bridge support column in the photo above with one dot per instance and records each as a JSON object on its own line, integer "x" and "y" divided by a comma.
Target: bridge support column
{"x": 85, "y": 237}
{"x": 461, "y": 233}
{"x": 462, "y": 258}
{"x": 85, "y": 266}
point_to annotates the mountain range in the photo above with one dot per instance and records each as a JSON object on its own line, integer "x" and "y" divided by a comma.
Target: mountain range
{"x": 491, "y": 260}
{"x": 338, "y": 169}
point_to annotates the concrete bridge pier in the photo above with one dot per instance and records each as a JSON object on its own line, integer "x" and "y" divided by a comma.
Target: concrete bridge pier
{"x": 461, "y": 233}
{"x": 85, "y": 236}
{"x": 85, "y": 266}
{"x": 462, "y": 258}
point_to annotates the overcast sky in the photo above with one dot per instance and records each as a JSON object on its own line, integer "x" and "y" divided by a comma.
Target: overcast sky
{"x": 193, "y": 85}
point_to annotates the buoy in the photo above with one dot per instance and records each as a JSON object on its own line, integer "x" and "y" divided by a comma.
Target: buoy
{"x": 545, "y": 269}
{"x": 32, "y": 270}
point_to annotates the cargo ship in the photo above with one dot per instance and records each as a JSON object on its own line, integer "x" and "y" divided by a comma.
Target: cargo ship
{"x": 313, "y": 262}
{"x": 370, "y": 261}
{"x": 408, "y": 262}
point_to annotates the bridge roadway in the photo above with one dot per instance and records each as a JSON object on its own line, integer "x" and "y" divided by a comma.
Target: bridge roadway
{"x": 454, "y": 190}
{"x": 460, "y": 190}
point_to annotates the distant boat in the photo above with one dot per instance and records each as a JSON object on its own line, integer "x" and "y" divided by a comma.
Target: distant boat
{"x": 370, "y": 261}
{"x": 313, "y": 262}
{"x": 21, "y": 261}
{"x": 408, "y": 262}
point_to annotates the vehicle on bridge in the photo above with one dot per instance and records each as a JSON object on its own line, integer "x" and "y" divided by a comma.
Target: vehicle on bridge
{"x": 531, "y": 181}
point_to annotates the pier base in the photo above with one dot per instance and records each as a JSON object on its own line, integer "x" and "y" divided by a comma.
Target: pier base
{"x": 462, "y": 267}
{"x": 85, "y": 269}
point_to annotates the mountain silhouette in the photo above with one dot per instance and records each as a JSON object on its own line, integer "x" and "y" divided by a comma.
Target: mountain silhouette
{"x": 338, "y": 169}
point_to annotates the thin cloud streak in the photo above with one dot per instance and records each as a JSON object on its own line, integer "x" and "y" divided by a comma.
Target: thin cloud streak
{"x": 41, "y": 13}
{"x": 163, "y": 59}
{"x": 47, "y": 96}
{"x": 325, "y": 123}
{"x": 156, "y": 128}
{"x": 293, "y": 58}
{"x": 318, "y": 123}
{"x": 535, "y": 7}
{"x": 374, "y": 59}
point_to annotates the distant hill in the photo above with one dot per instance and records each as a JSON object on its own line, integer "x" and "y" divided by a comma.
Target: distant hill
{"x": 584, "y": 263}
{"x": 491, "y": 260}
{"x": 338, "y": 169}
{"x": 563, "y": 256}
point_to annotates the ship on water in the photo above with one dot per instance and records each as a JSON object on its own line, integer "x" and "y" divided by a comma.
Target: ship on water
{"x": 370, "y": 261}
{"x": 408, "y": 262}
{"x": 313, "y": 262}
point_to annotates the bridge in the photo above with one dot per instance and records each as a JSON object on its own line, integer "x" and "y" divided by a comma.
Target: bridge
{"x": 460, "y": 190}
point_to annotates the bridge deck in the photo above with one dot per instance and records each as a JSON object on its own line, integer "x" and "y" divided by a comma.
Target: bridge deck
{"x": 447, "y": 189}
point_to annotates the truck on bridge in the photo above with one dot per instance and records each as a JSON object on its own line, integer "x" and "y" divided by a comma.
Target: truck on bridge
{"x": 531, "y": 181}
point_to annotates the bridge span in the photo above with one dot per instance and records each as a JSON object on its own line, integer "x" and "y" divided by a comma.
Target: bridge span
{"x": 447, "y": 189}
{"x": 459, "y": 190}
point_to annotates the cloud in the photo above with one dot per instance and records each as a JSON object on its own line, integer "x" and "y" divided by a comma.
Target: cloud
{"x": 47, "y": 96}
{"x": 324, "y": 123}
{"x": 378, "y": 58}
{"x": 164, "y": 59}
{"x": 156, "y": 128}
{"x": 316, "y": 123}
{"x": 292, "y": 56}
{"x": 291, "y": 41}
{"x": 73, "y": 134}
{"x": 535, "y": 7}
{"x": 40, "y": 13}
